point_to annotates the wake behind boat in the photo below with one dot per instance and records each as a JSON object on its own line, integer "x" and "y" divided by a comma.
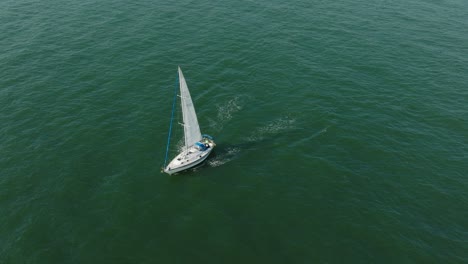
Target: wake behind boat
{"x": 197, "y": 146}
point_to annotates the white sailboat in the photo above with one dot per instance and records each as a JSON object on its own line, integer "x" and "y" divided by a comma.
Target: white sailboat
{"x": 197, "y": 146}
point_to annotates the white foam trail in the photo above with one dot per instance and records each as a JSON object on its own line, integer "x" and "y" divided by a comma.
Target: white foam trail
{"x": 227, "y": 110}
{"x": 305, "y": 139}
{"x": 274, "y": 127}
{"x": 224, "y": 158}
{"x": 320, "y": 132}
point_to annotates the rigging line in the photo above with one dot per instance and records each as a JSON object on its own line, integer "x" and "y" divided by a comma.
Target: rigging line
{"x": 172, "y": 119}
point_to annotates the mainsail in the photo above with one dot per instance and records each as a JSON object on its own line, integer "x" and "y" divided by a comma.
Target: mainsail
{"x": 191, "y": 127}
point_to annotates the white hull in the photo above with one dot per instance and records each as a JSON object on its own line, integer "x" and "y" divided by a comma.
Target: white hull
{"x": 188, "y": 159}
{"x": 186, "y": 166}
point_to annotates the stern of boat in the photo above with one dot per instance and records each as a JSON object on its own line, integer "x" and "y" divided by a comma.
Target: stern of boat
{"x": 207, "y": 139}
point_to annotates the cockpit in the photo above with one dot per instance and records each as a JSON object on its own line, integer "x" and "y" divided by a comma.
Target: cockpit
{"x": 202, "y": 147}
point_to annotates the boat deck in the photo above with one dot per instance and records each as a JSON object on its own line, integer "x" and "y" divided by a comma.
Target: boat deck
{"x": 190, "y": 157}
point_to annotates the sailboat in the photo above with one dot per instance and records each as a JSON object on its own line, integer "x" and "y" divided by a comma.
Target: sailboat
{"x": 197, "y": 147}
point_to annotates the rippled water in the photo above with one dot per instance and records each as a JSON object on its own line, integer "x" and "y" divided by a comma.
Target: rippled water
{"x": 341, "y": 128}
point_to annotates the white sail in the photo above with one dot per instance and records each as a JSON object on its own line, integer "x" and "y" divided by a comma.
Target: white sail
{"x": 191, "y": 128}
